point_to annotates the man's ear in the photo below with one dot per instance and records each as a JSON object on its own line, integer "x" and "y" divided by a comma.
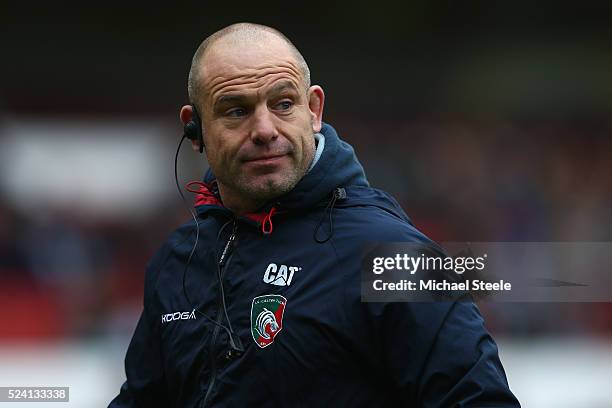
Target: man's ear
{"x": 186, "y": 116}
{"x": 316, "y": 99}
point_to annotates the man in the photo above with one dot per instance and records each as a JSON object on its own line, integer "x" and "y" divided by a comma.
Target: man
{"x": 266, "y": 310}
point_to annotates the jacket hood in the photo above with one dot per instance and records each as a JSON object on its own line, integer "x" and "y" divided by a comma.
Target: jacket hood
{"x": 338, "y": 166}
{"x": 337, "y": 169}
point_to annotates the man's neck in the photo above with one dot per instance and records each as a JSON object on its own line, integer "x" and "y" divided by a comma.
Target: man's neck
{"x": 236, "y": 203}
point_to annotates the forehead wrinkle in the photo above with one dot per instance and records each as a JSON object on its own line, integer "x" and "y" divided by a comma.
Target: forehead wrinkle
{"x": 254, "y": 76}
{"x": 251, "y": 75}
{"x": 242, "y": 95}
{"x": 251, "y": 81}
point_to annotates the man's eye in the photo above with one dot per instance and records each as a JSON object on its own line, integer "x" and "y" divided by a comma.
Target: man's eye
{"x": 284, "y": 105}
{"x": 236, "y": 112}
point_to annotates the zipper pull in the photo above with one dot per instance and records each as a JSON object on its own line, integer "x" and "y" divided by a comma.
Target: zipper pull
{"x": 340, "y": 193}
{"x": 228, "y": 244}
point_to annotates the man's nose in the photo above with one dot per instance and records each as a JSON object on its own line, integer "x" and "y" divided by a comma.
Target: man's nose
{"x": 263, "y": 129}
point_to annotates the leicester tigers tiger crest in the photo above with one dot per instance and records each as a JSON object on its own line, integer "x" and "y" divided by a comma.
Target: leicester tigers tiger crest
{"x": 267, "y": 318}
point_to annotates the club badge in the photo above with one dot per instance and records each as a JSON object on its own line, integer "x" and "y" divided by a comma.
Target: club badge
{"x": 267, "y": 318}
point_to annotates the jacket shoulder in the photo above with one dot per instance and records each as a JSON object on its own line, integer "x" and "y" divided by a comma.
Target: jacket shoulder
{"x": 379, "y": 221}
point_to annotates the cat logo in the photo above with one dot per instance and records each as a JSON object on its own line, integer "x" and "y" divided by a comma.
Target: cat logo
{"x": 279, "y": 275}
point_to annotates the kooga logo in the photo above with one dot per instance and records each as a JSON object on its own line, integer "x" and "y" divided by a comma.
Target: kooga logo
{"x": 279, "y": 275}
{"x": 178, "y": 316}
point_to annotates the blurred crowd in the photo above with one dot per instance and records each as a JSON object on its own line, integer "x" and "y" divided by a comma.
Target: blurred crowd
{"x": 63, "y": 274}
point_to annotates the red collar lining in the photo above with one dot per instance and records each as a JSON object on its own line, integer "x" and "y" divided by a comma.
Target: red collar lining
{"x": 206, "y": 196}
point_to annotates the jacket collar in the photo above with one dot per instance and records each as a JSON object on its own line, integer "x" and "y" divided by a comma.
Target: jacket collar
{"x": 337, "y": 166}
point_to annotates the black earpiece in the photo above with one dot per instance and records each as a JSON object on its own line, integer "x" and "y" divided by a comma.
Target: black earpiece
{"x": 193, "y": 128}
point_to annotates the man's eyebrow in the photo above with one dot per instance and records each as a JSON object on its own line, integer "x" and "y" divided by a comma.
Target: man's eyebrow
{"x": 230, "y": 98}
{"x": 282, "y": 86}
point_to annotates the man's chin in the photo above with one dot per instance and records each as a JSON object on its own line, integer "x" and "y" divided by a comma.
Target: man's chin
{"x": 268, "y": 187}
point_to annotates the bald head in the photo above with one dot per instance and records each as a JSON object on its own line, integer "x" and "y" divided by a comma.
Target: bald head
{"x": 235, "y": 37}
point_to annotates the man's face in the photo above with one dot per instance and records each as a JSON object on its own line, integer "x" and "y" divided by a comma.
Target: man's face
{"x": 258, "y": 118}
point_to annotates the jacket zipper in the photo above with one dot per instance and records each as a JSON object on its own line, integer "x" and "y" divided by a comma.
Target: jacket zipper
{"x": 223, "y": 259}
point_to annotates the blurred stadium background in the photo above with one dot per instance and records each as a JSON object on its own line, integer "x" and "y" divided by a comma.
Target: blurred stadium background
{"x": 488, "y": 122}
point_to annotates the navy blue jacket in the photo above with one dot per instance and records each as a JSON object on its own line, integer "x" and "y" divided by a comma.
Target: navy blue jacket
{"x": 292, "y": 297}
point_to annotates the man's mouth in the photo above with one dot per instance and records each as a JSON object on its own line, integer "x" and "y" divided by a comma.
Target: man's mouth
{"x": 271, "y": 158}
